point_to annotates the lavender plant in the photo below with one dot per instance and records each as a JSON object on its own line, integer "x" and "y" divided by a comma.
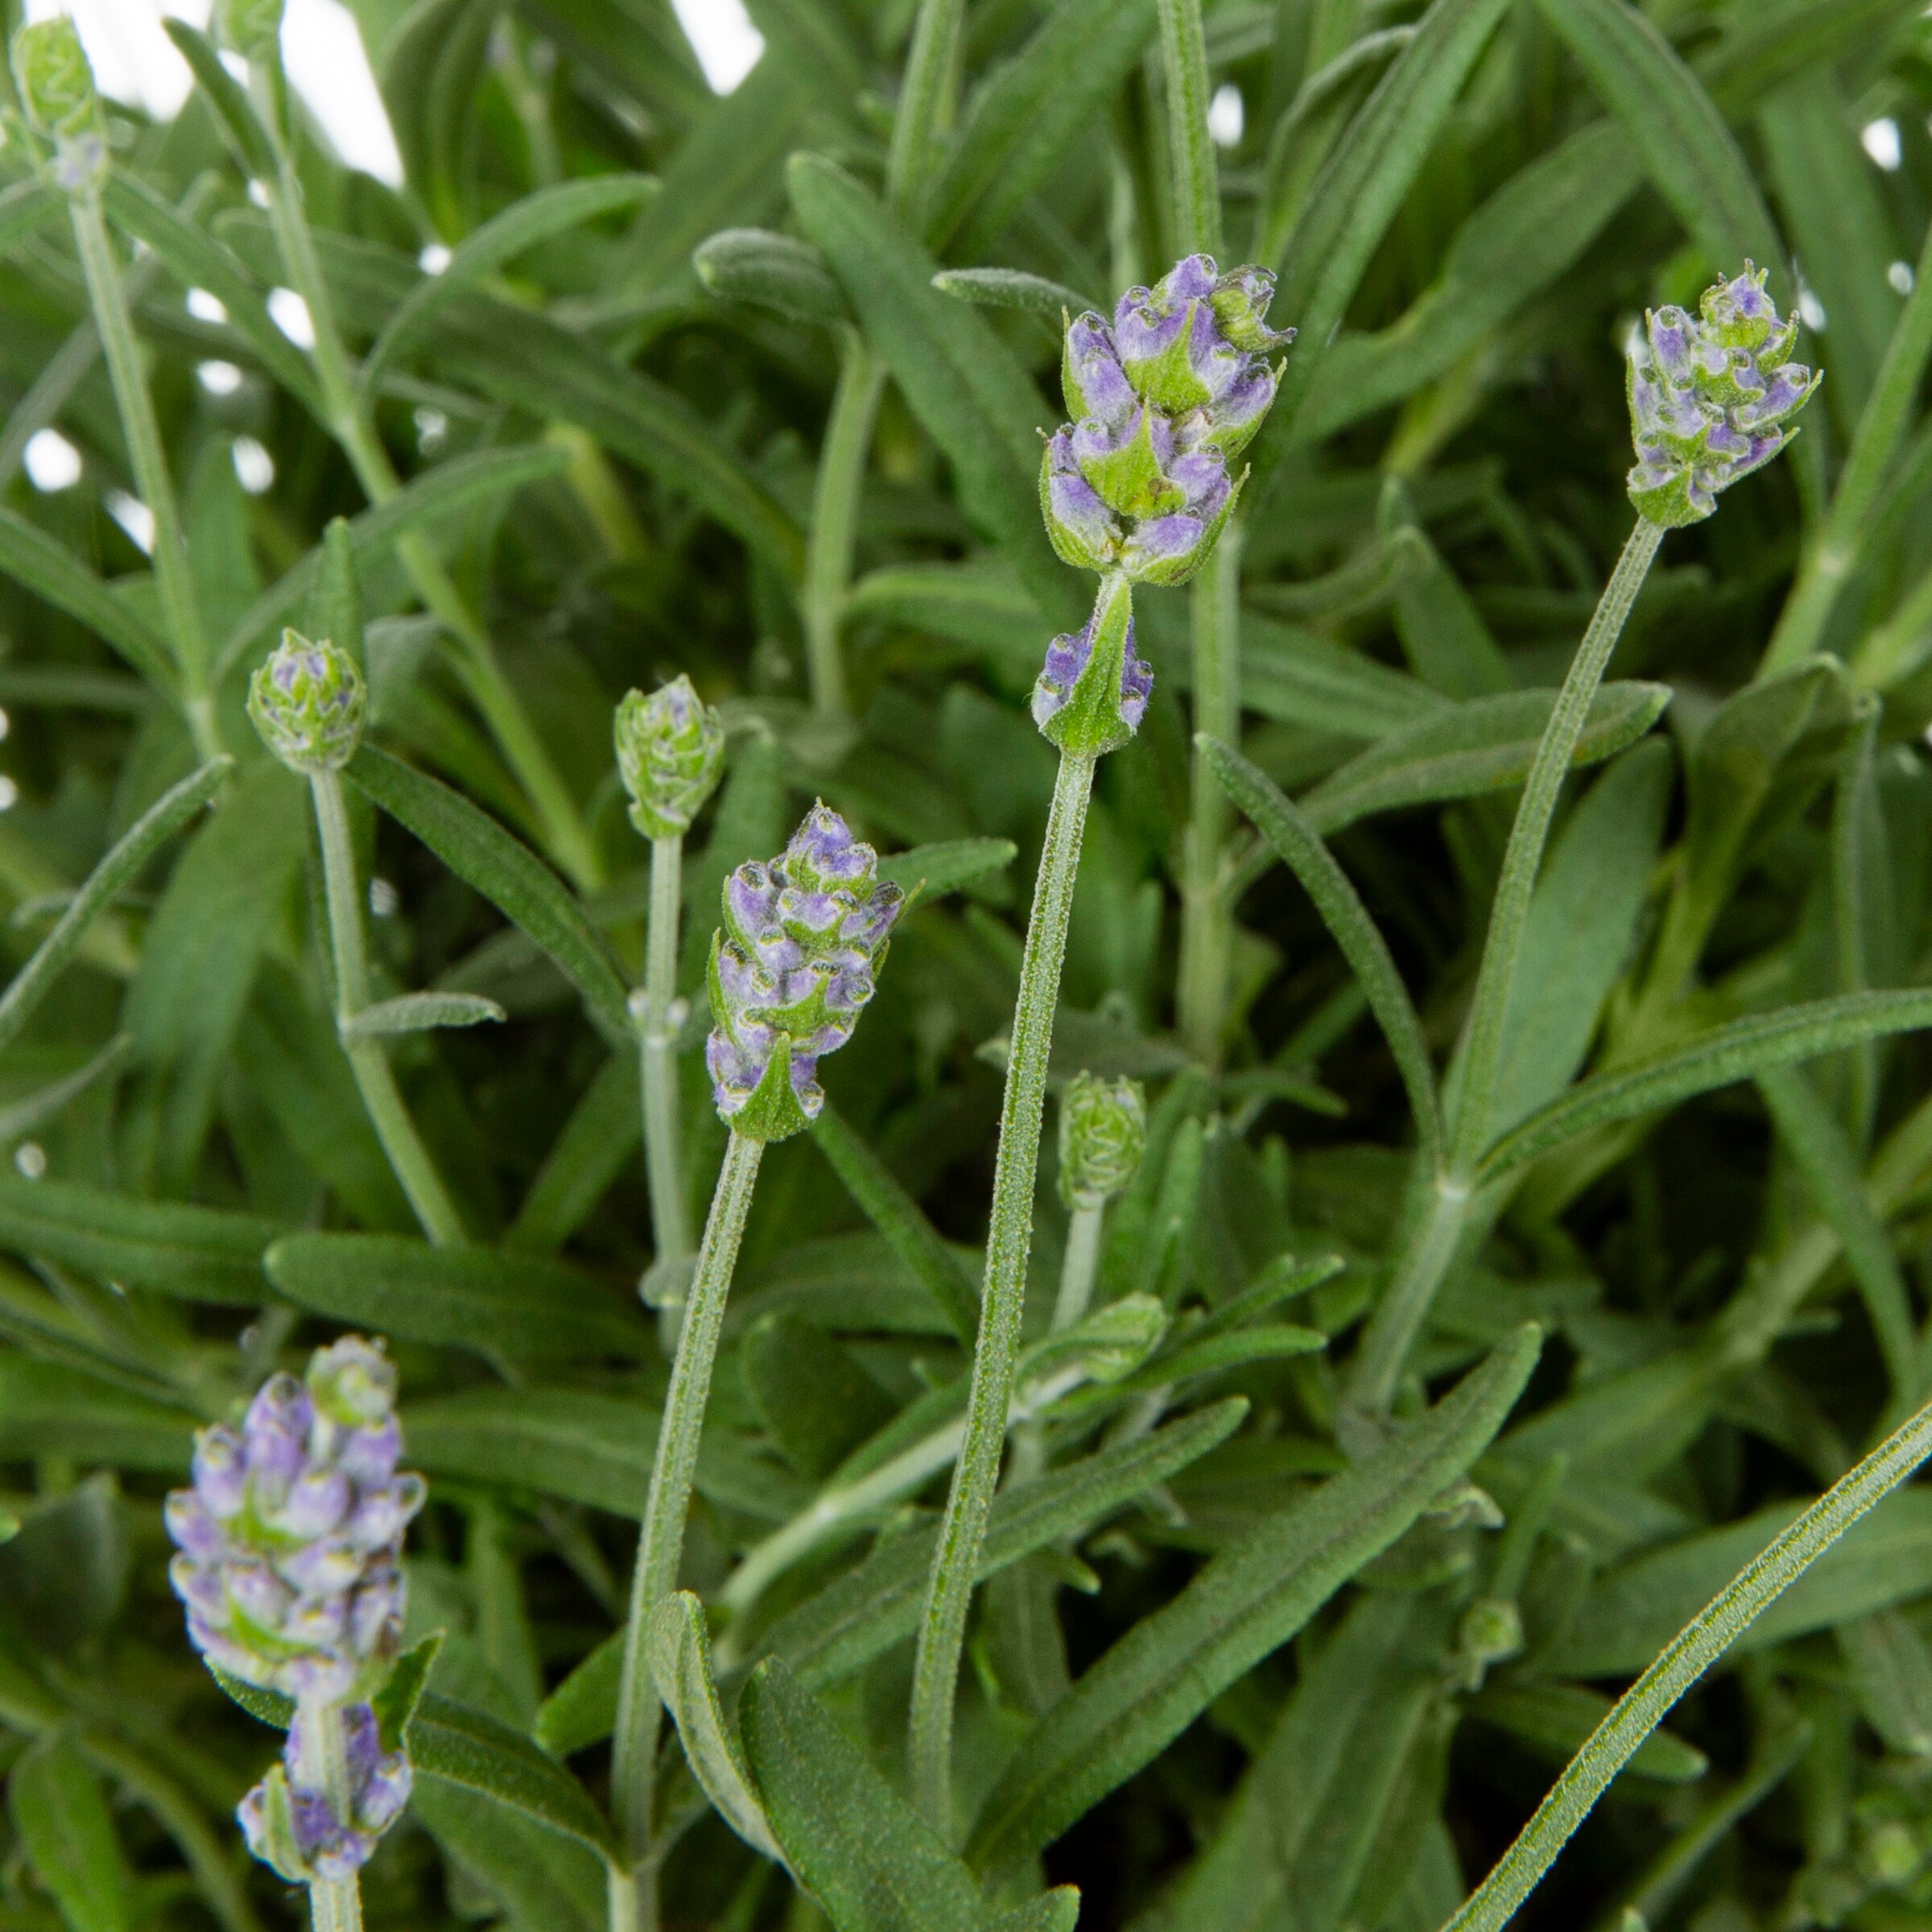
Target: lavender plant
{"x": 1454, "y": 1465}
{"x": 290, "y": 1566}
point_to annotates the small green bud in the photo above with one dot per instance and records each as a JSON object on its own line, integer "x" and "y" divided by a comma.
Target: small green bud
{"x": 353, "y": 1382}
{"x": 1493, "y": 1630}
{"x": 1891, "y": 1854}
{"x": 670, "y": 749}
{"x": 56, "y": 83}
{"x": 307, "y": 702}
{"x": 1103, "y": 1135}
{"x": 248, "y": 27}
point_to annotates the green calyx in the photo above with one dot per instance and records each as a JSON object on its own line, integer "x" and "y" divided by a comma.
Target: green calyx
{"x": 670, "y": 751}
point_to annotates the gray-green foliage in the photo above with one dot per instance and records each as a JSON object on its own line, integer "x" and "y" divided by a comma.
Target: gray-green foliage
{"x": 1275, "y": 1629}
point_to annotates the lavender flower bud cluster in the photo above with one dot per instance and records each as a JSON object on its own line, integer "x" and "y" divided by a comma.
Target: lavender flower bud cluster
{"x": 802, "y": 941}
{"x": 55, "y": 82}
{"x": 1164, "y": 400}
{"x": 290, "y": 1564}
{"x": 307, "y": 701}
{"x": 288, "y": 1819}
{"x": 291, "y": 1540}
{"x": 1710, "y": 395}
{"x": 1103, "y": 1135}
{"x": 670, "y": 749}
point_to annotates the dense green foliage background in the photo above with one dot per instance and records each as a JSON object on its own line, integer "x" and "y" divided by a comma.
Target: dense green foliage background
{"x": 616, "y": 459}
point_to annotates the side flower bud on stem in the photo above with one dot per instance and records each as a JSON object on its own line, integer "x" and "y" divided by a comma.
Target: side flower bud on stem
{"x": 55, "y": 82}
{"x": 309, "y": 702}
{"x": 290, "y": 1565}
{"x": 670, "y": 750}
{"x": 791, "y": 970}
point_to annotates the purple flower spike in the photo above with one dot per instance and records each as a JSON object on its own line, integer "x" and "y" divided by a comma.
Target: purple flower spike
{"x": 291, "y": 1520}
{"x": 791, "y": 970}
{"x": 1710, "y": 397}
{"x": 1163, "y": 401}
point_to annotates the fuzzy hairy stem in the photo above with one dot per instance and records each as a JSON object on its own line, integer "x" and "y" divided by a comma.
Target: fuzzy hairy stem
{"x": 174, "y": 576}
{"x": 975, "y": 1476}
{"x": 335, "y": 1903}
{"x": 1197, "y": 186}
{"x": 834, "y": 516}
{"x": 408, "y": 1159}
{"x": 1207, "y": 911}
{"x": 1080, "y": 1264}
{"x": 657, "y": 1059}
{"x": 661, "y": 1541}
{"x": 1678, "y": 1666}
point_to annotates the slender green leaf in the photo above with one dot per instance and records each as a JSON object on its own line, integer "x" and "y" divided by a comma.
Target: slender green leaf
{"x": 1686, "y": 148}
{"x": 51, "y": 1409}
{"x": 1029, "y": 113}
{"x": 869, "y": 1860}
{"x": 1741, "y": 1050}
{"x": 773, "y": 271}
{"x": 195, "y": 259}
{"x": 1482, "y": 745}
{"x": 508, "y": 874}
{"x": 61, "y": 1812}
{"x": 1822, "y": 1152}
{"x": 467, "y": 1747}
{"x": 25, "y": 207}
{"x": 680, "y": 1666}
{"x": 463, "y": 1297}
{"x": 930, "y": 872}
{"x": 871, "y": 1608}
{"x": 1013, "y": 288}
{"x": 579, "y": 1444}
{"x": 241, "y": 127}
{"x": 123, "y": 864}
{"x": 549, "y": 211}
{"x": 35, "y": 562}
{"x": 523, "y": 358}
{"x": 1553, "y": 1719}
{"x": 1303, "y": 679}
{"x": 1249, "y": 1599}
{"x": 459, "y": 485}
{"x": 898, "y": 1218}
{"x": 962, "y": 382}
{"x": 1356, "y": 196}
{"x": 203, "y": 1254}
{"x": 1299, "y": 845}
{"x": 421, "y": 1012}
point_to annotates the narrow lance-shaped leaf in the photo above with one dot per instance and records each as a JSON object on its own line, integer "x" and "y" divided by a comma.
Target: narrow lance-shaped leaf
{"x": 1740, "y": 1051}
{"x": 1297, "y": 844}
{"x": 1250, "y": 1599}
{"x": 124, "y": 863}
{"x": 35, "y": 562}
{"x": 68, "y": 1833}
{"x": 508, "y": 874}
{"x": 421, "y": 1012}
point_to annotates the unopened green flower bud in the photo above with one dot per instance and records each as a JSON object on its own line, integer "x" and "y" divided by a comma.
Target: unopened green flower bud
{"x": 670, "y": 749}
{"x": 307, "y": 701}
{"x": 1493, "y": 1630}
{"x": 250, "y": 26}
{"x": 1103, "y": 1135}
{"x": 55, "y": 82}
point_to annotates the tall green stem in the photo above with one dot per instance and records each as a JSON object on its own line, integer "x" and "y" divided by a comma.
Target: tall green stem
{"x": 1207, "y": 913}
{"x": 180, "y": 608}
{"x": 1437, "y": 1229}
{"x": 975, "y": 1476}
{"x": 1079, "y": 1265}
{"x": 1834, "y": 552}
{"x": 564, "y": 831}
{"x": 834, "y": 516}
{"x": 1509, "y": 912}
{"x": 408, "y": 1157}
{"x": 661, "y": 1542}
{"x": 658, "y": 1061}
{"x": 1678, "y": 1666}
{"x": 1197, "y": 188}
{"x": 335, "y": 1903}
